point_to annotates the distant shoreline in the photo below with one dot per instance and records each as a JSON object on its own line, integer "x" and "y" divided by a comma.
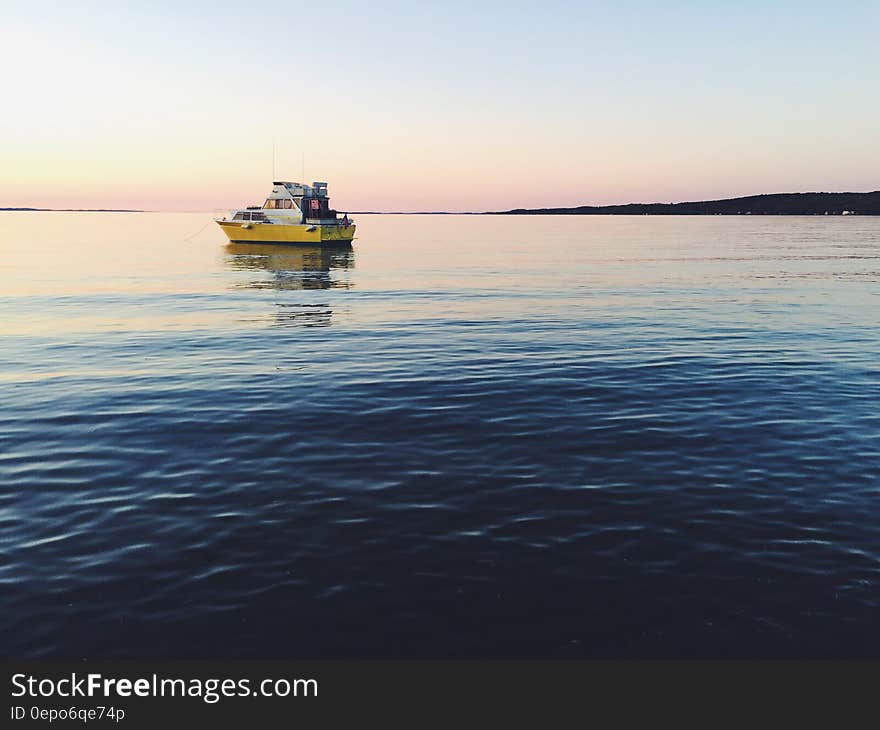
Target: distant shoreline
{"x": 70, "y": 210}
{"x": 769, "y": 204}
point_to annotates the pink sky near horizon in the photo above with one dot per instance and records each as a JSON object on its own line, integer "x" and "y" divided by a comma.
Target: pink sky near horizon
{"x": 222, "y": 184}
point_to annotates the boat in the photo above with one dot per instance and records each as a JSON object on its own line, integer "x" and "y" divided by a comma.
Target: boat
{"x": 293, "y": 213}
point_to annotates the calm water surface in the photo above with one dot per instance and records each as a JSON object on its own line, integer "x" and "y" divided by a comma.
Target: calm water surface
{"x": 467, "y": 437}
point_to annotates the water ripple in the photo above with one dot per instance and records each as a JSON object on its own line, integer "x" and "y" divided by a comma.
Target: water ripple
{"x": 602, "y": 438}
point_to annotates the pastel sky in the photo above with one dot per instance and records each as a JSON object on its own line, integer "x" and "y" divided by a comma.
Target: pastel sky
{"x": 454, "y": 105}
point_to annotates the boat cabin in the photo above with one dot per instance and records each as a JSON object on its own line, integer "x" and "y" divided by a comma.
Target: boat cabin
{"x": 309, "y": 200}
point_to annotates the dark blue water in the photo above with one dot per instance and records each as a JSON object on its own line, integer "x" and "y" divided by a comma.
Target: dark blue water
{"x": 471, "y": 437}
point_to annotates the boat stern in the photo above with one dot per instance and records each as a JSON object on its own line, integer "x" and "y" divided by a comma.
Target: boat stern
{"x": 337, "y": 233}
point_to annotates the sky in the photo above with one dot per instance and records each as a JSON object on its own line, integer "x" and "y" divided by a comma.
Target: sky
{"x": 454, "y": 105}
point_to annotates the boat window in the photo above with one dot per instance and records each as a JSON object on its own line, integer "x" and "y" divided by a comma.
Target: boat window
{"x": 257, "y": 216}
{"x": 288, "y": 204}
{"x": 238, "y": 217}
{"x": 269, "y": 203}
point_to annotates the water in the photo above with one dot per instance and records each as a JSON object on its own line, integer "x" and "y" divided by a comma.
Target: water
{"x": 477, "y": 437}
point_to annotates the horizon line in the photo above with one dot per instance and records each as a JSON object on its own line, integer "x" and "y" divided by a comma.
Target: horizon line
{"x": 25, "y": 209}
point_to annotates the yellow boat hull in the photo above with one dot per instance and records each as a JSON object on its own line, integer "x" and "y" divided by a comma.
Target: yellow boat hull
{"x": 256, "y": 232}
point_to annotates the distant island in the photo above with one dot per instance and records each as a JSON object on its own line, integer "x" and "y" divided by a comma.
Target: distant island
{"x": 773, "y": 204}
{"x": 74, "y": 210}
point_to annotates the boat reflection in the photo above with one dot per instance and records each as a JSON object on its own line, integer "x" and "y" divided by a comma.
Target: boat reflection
{"x": 293, "y": 267}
